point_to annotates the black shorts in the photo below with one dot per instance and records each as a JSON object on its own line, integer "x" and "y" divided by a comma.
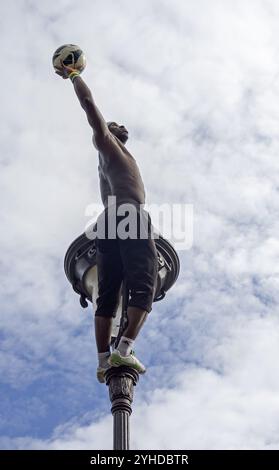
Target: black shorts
{"x": 134, "y": 259}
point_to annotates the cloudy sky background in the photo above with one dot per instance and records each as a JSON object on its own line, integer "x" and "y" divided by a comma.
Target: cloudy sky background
{"x": 197, "y": 85}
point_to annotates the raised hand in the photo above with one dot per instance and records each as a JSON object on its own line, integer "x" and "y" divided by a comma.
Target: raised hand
{"x": 65, "y": 70}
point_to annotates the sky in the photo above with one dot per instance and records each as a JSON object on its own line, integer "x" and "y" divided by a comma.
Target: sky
{"x": 197, "y": 85}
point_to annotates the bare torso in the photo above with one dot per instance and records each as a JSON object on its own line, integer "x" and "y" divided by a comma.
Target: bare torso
{"x": 119, "y": 172}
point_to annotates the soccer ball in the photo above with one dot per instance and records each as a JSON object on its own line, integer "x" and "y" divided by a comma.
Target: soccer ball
{"x": 70, "y": 55}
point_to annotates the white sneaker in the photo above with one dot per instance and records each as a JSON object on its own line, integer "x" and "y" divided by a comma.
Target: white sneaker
{"x": 101, "y": 373}
{"x": 116, "y": 360}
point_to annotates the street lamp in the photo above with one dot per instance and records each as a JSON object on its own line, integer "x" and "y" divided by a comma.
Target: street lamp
{"x": 81, "y": 270}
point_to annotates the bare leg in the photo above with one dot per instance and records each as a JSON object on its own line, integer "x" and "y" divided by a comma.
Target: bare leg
{"x": 123, "y": 355}
{"x": 103, "y": 333}
{"x": 136, "y": 319}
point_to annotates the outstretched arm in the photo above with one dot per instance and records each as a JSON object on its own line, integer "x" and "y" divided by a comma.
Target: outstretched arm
{"x": 94, "y": 116}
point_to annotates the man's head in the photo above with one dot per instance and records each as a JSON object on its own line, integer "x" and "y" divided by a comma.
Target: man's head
{"x": 119, "y": 131}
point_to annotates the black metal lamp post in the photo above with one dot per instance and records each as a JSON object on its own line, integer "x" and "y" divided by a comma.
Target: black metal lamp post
{"x": 121, "y": 382}
{"x": 81, "y": 271}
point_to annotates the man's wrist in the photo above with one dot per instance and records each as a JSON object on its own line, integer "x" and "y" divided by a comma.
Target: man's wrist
{"x": 74, "y": 75}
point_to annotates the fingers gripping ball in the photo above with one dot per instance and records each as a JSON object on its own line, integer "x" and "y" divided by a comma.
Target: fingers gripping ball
{"x": 70, "y": 56}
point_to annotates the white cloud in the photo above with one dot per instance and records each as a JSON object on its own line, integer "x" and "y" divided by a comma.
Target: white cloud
{"x": 205, "y": 410}
{"x": 196, "y": 84}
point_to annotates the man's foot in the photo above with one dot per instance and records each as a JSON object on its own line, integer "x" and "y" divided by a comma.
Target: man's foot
{"x": 116, "y": 360}
{"x": 101, "y": 373}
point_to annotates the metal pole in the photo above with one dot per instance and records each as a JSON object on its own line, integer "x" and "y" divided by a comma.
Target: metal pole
{"x": 121, "y": 382}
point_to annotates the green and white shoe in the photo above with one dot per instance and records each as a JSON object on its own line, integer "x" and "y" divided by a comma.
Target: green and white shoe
{"x": 116, "y": 360}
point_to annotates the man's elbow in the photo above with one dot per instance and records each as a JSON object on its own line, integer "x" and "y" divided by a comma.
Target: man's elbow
{"x": 87, "y": 102}
{"x": 95, "y": 119}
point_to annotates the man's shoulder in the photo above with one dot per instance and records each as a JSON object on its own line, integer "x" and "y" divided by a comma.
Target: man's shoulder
{"x": 108, "y": 144}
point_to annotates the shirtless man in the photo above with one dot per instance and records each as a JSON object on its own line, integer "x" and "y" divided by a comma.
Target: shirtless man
{"x": 134, "y": 258}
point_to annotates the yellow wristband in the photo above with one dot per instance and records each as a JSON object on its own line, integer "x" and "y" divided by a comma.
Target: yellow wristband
{"x": 73, "y": 75}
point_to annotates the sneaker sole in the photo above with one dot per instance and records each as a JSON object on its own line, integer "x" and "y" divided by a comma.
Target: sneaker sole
{"x": 101, "y": 379}
{"x": 101, "y": 376}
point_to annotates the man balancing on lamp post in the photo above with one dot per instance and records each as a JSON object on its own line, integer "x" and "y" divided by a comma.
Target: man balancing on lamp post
{"x": 133, "y": 258}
